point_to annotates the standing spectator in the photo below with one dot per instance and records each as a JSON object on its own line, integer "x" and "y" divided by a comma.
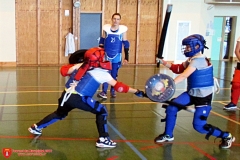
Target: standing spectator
{"x": 113, "y": 38}
{"x": 235, "y": 90}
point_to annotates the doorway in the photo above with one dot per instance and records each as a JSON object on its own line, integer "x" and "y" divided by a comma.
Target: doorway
{"x": 90, "y": 29}
{"x": 223, "y": 38}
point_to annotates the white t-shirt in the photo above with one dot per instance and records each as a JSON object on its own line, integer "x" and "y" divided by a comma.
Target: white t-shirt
{"x": 100, "y": 75}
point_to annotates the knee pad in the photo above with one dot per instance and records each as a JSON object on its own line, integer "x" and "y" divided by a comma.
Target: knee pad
{"x": 61, "y": 113}
{"x": 200, "y": 129}
{"x": 114, "y": 71}
{"x": 97, "y": 107}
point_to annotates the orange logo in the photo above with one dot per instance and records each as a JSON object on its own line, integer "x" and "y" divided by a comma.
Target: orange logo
{"x": 6, "y": 152}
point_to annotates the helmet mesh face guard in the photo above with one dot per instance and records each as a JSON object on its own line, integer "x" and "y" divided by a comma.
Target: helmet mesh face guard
{"x": 192, "y": 45}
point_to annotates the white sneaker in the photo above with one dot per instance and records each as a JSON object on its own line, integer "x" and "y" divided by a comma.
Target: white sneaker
{"x": 34, "y": 130}
{"x": 105, "y": 142}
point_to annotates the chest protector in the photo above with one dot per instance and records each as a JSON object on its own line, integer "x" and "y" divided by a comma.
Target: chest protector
{"x": 201, "y": 78}
{"x": 113, "y": 40}
{"x": 87, "y": 86}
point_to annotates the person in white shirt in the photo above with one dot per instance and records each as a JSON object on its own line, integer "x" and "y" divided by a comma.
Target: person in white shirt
{"x": 84, "y": 80}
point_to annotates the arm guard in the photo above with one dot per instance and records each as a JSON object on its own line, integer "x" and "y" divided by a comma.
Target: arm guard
{"x": 64, "y": 70}
{"x": 126, "y": 49}
{"x": 101, "y": 42}
{"x": 121, "y": 87}
{"x": 177, "y": 68}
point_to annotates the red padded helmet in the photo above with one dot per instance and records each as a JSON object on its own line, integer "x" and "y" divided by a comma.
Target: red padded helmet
{"x": 95, "y": 58}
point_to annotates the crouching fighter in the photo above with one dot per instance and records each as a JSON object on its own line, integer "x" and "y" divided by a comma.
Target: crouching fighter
{"x": 85, "y": 79}
{"x": 199, "y": 74}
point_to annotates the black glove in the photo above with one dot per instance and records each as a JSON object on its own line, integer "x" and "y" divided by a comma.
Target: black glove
{"x": 140, "y": 93}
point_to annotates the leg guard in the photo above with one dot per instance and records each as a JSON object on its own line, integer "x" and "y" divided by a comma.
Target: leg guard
{"x": 101, "y": 115}
{"x": 50, "y": 119}
{"x": 171, "y": 112}
{"x": 200, "y": 123}
{"x": 105, "y": 87}
{"x": 114, "y": 72}
{"x": 59, "y": 114}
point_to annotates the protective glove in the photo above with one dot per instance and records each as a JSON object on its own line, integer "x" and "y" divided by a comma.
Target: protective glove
{"x": 161, "y": 61}
{"x": 140, "y": 93}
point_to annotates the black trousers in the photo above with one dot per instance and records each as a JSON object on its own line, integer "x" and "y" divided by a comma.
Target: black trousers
{"x": 82, "y": 103}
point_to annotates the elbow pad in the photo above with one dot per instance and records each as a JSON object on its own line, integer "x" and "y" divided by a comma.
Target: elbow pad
{"x": 64, "y": 70}
{"x": 177, "y": 68}
{"x": 126, "y": 44}
{"x": 121, "y": 87}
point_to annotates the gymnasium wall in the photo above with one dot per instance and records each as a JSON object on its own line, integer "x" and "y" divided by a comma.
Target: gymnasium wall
{"x": 33, "y": 32}
{"x": 7, "y": 33}
{"x": 41, "y": 27}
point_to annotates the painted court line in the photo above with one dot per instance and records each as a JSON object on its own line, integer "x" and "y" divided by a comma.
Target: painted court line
{"x": 128, "y": 143}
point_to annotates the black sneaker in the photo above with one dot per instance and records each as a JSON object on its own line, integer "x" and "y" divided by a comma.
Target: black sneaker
{"x": 163, "y": 138}
{"x": 34, "y": 130}
{"x": 227, "y": 142}
{"x": 102, "y": 95}
{"x": 230, "y": 106}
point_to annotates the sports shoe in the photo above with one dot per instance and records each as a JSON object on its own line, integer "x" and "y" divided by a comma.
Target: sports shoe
{"x": 102, "y": 95}
{"x": 105, "y": 142}
{"x": 113, "y": 95}
{"x": 34, "y": 130}
{"x": 227, "y": 141}
{"x": 230, "y": 106}
{"x": 163, "y": 138}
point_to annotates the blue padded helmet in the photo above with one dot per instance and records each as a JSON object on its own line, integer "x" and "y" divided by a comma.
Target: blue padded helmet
{"x": 196, "y": 42}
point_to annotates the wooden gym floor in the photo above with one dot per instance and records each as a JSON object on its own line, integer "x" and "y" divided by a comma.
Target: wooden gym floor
{"x": 27, "y": 94}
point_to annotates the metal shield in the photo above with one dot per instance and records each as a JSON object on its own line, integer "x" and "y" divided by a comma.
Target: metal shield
{"x": 160, "y": 88}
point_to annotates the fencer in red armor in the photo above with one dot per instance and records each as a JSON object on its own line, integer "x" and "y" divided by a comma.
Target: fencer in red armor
{"x": 200, "y": 85}
{"x": 235, "y": 89}
{"x": 84, "y": 80}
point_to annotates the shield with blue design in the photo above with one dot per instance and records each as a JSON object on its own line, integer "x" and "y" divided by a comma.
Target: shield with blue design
{"x": 160, "y": 88}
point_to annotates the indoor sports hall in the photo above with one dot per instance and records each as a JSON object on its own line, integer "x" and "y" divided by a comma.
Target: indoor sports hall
{"x": 38, "y": 37}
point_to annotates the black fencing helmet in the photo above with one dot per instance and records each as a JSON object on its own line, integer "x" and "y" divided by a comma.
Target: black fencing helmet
{"x": 77, "y": 57}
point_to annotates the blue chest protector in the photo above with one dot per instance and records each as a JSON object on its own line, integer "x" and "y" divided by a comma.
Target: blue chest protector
{"x": 113, "y": 45}
{"x": 201, "y": 78}
{"x": 87, "y": 86}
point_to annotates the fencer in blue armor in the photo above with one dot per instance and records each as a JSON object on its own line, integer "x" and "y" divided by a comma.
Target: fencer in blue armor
{"x": 78, "y": 93}
{"x": 113, "y": 43}
{"x": 84, "y": 80}
{"x": 114, "y": 37}
{"x": 200, "y": 86}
